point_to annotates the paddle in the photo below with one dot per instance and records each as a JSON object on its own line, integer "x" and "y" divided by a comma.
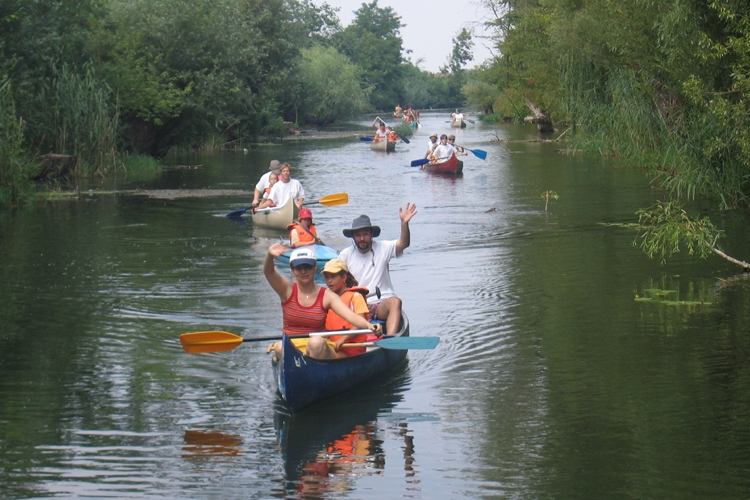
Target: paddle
{"x": 399, "y": 136}
{"x": 217, "y": 341}
{"x": 479, "y": 153}
{"x": 331, "y": 200}
{"x": 366, "y": 139}
{"x": 400, "y": 343}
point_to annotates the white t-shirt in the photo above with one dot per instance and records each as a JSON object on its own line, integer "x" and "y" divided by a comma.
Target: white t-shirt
{"x": 432, "y": 145}
{"x": 263, "y": 183}
{"x": 371, "y": 269}
{"x": 281, "y": 191}
{"x": 458, "y": 117}
{"x": 443, "y": 152}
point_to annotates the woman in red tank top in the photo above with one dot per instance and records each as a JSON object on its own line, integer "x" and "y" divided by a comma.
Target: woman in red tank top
{"x": 304, "y": 303}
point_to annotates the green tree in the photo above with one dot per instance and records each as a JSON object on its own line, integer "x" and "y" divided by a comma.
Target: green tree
{"x": 373, "y": 42}
{"x": 331, "y": 86}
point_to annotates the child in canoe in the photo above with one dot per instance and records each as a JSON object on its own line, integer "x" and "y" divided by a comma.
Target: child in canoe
{"x": 340, "y": 280}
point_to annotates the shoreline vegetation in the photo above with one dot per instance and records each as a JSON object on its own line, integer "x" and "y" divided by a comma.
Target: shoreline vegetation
{"x": 101, "y": 87}
{"x": 117, "y": 85}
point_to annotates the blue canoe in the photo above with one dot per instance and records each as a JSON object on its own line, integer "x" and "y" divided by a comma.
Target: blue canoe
{"x": 304, "y": 381}
{"x": 322, "y": 255}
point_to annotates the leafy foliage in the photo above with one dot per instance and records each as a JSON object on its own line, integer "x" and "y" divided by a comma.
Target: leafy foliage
{"x": 373, "y": 43}
{"x": 330, "y": 86}
{"x": 665, "y": 227}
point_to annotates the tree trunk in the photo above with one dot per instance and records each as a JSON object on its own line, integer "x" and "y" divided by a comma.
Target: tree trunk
{"x": 541, "y": 117}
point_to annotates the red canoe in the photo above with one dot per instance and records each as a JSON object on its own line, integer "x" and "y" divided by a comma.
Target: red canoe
{"x": 451, "y": 166}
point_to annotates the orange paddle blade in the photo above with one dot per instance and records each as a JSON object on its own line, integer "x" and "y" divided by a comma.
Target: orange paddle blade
{"x": 198, "y": 342}
{"x": 334, "y": 199}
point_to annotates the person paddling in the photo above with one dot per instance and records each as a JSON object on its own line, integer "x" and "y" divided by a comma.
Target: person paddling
{"x": 432, "y": 143}
{"x": 303, "y": 232}
{"x": 264, "y": 182}
{"x": 284, "y": 189}
{"x": 442, "y": 153}
{"x": 305, "y": 304}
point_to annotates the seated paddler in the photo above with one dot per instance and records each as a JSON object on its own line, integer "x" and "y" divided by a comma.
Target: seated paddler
{"x": 303, "y": 232}
{"x": 305, "y": 304}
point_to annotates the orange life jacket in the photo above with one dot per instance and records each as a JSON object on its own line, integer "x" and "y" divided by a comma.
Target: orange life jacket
{"x": 336, "y": 322}
{"x": 392, "y": 136}
{"x": 305, "y": 235}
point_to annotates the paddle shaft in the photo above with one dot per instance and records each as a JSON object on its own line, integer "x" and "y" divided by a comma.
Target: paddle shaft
{"x": 407, "y": 141}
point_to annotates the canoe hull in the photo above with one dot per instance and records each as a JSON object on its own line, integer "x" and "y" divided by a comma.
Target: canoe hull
{"x": 452, "y": 166}
{"x": 385, "y": 146}
{"x": 458, "y": 124}
{"x": 304, "y": 381}
{"x": 277, "y": 217}
{"x": 322, "y": 255}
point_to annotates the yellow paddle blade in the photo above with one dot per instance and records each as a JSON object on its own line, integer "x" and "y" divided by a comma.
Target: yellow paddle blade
{"x": 334, "y": 199}
{"x": 198, "y": 342}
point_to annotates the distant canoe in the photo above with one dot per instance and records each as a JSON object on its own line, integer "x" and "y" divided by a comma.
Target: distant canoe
{"x": 385, "y": 146}
{"x": 451, "y": 166}
{"x": 276, "y": 217}
{"x": 458, "y": 124}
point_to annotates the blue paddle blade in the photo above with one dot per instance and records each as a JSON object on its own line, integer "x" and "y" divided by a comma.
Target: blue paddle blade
{"x": 405, "y": 139}
{"x": 418, "y": 163}
{"x": 408, "y": 343}
{"x": 237, "y": 213}
{"x": 482, "y": 155}
{"x": 366, "y": 139}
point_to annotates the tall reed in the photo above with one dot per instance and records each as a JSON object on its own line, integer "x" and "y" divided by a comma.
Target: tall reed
{"x": 15, "y": 185}
{"x": 82, "y": 119}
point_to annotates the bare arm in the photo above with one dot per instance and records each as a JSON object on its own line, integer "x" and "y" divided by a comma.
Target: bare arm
{"x": 405, "y": 240}
{"x": 256, "y": 197}
{"x": 280, "y": 285}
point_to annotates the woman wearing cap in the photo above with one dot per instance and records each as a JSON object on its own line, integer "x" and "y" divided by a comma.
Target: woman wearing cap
{"x": 303, "y": 233}
{"x": 305, "y": 304}
{"x": 344, "y": 284}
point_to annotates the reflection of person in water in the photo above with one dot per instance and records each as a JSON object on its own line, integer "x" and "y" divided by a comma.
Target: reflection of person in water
{"x": 353, "y": 454}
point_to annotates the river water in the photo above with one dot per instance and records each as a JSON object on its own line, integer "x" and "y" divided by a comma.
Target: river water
{"x": 569, "y": 366}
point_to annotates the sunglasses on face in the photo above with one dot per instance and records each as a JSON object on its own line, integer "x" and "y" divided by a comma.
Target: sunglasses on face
{"x": 304, "y": 267}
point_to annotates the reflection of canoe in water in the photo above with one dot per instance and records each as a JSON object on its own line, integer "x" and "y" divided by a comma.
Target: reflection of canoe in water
{"x": 458, "y": 124}
{"x": 276, "y": 217}
{"x": 322, "y": 255}
{"x": 451, "y": 166}
{"x": 385, "y": 146}
{"x": 304, "y": 381}
{"x": 307, "y": 437}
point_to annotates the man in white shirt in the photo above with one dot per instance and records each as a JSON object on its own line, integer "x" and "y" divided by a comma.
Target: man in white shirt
{"x": 368, "y": 260}
{"x": 284, "y": 189}
{"x": 432, "y": 143}
{"x": 264, "y": 183}
{"x": 443, "y": 152}
{"x": 457, "y": 116}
